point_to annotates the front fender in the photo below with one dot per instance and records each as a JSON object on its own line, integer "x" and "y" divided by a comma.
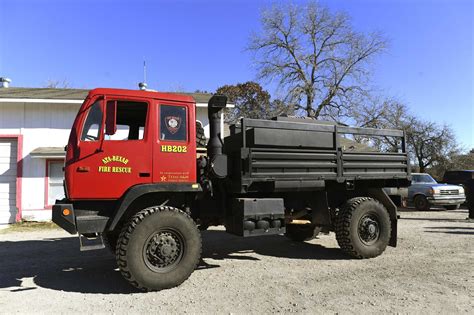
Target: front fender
{"x": 139, "y": 190}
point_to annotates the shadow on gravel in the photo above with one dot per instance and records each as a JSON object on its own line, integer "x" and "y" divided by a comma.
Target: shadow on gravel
{"x": 58, "y": 264}
{"x": 221, "y": 245}
{"x": 435, "y": 219}
{"x": 460, "y": 230}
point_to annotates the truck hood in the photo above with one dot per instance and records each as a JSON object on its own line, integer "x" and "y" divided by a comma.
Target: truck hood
{"x": 444, "y": 186}
{"x": 440, "y": 186}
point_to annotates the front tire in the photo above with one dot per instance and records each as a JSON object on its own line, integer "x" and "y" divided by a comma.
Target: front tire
{"x": 363, "y": 227}
{"x": 421, "y": 203}
{"x": 159, "y": 248}
{"x": 110, "y": 240}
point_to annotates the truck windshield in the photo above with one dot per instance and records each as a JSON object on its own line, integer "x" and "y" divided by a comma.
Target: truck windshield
{"x": 425, "y": 178}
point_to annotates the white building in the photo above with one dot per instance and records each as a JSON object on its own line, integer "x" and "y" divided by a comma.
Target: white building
{"x": 34, "y": 128}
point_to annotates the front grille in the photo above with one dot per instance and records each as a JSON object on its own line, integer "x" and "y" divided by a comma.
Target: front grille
{"x": 449, "y": 192}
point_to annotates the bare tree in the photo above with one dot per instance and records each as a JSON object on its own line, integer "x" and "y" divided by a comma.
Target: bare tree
{"x": 382, "y": 113}
{"x": 57, "y": 84}
{"x": 462, "y": 161}
{"x": 385, "y": 113}
{"x": 457, "y": 160}
{"x": 431, "y": 147}
{"x": 430, "y": 143}
{"x": 316, "y": 56}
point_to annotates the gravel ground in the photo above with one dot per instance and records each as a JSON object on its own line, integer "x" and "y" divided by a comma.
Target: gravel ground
{"x": 431, "y": 271}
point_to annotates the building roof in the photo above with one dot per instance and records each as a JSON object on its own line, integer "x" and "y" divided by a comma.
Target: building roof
{"x": 48, "y": 152}
{"x": 44, "y": 93}
{"x": 71, "y": 94}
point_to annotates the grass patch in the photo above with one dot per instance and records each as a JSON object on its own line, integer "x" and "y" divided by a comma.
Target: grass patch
{"x": 27, "y": 226}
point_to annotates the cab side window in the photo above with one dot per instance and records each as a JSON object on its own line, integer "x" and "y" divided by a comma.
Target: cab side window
{"x": 173, "y": 123}
{"x": 131, "y": 120}
{"x": 91, "y": 128}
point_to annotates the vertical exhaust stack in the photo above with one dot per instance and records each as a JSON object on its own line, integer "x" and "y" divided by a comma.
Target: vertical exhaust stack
{"x": 218, "y": 160}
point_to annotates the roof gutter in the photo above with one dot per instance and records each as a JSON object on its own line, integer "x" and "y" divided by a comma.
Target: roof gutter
{"x": 39, "y": 100}
{"x": 59, "y": 101}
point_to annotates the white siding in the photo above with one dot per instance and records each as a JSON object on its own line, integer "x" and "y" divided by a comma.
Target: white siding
{"x": 201, "y": 115}
{"x": 42, "y": 125}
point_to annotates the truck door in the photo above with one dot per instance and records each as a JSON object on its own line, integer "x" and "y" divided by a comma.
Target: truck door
{"x": 175, "y": 147}
{"x": 108, "y": 165}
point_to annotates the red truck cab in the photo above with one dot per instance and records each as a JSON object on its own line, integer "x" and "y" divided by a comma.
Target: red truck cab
{"x": 122, "y": 138}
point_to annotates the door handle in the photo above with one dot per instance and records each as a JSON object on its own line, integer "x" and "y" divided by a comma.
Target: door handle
{"x": 83, "y": 169}
{"x": 144, "y": 174}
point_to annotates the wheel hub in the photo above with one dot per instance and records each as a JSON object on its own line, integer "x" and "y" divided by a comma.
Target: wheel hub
{"x": 369, "y": 230}
{"x": 163, "y": 251}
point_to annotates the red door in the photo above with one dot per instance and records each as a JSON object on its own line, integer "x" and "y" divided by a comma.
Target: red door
{"x": 107, "y": 166}
{"x": 175, "y": 146}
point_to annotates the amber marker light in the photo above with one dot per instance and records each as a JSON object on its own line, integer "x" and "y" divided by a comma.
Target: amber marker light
{"x": 66, "y": 212}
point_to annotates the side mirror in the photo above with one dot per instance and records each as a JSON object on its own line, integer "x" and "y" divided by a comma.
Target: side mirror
{"x": 111, "y": 118}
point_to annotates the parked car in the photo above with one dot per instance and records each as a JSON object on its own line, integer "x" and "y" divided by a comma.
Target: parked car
{"x": 425, "y": 192}
{"x": 465, "y": 178}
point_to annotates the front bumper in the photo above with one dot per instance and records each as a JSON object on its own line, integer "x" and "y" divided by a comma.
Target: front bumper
{"x": 64, "y": 217}
{"x": 446, "y": 200}
{"x": 78, "y": 221}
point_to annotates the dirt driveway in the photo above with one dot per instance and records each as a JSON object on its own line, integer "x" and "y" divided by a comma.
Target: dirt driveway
{"x": 432, "y": 271}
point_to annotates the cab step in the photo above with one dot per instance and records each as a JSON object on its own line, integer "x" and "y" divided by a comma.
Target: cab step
{"x": 91, "y": 242}
{"x": 91, "y": 223}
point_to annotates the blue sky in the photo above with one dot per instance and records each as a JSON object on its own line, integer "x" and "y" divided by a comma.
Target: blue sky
{"x": 193, "y": 45}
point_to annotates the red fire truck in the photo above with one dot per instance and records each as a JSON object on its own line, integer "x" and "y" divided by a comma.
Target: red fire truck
{"x": 136, "y": 181}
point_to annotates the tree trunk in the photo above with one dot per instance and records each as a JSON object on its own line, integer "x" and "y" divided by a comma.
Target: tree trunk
{"x": 422, "y": 167}
{"x": 309, "y": 107}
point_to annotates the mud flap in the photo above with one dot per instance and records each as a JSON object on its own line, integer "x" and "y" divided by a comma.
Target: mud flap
{"x": 383, "y": 198}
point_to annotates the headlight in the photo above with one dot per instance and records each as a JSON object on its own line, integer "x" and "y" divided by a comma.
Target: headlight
{"x": 437, "y": 191}
{"x": 461, "y": 190}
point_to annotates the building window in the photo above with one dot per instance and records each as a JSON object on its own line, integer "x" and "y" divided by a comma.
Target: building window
{"x": 55, "y": 178}
{"x": 173, "y": 123}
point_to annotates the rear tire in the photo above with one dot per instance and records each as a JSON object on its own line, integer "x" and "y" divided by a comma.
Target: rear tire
{"x": 159, "y": 248}
{"x": 421, "y": 203}
{"x": 363, "y": 227}
{"x": 302, "y": 232}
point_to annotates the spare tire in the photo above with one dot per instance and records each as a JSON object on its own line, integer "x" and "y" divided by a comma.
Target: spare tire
{"x": 201, "y": 140}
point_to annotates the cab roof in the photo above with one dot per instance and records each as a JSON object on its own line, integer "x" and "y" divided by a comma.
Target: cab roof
{"x": 141, "y": 93}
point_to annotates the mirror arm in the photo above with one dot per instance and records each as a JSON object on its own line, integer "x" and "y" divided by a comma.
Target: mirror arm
{"x": 104, "y": 122}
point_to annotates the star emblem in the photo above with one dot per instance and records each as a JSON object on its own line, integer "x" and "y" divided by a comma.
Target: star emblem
{"x": 163, "y": 178}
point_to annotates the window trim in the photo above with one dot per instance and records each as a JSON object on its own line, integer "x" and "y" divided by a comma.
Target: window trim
{"x": 101, "y": 100}
{"x": 147, "y": 119}
{"x": 187, "y": 123}
{"x": 46, "y": 182}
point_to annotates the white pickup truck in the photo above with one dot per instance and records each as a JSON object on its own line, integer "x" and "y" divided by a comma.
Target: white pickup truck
{"x": 425, "y": 192}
